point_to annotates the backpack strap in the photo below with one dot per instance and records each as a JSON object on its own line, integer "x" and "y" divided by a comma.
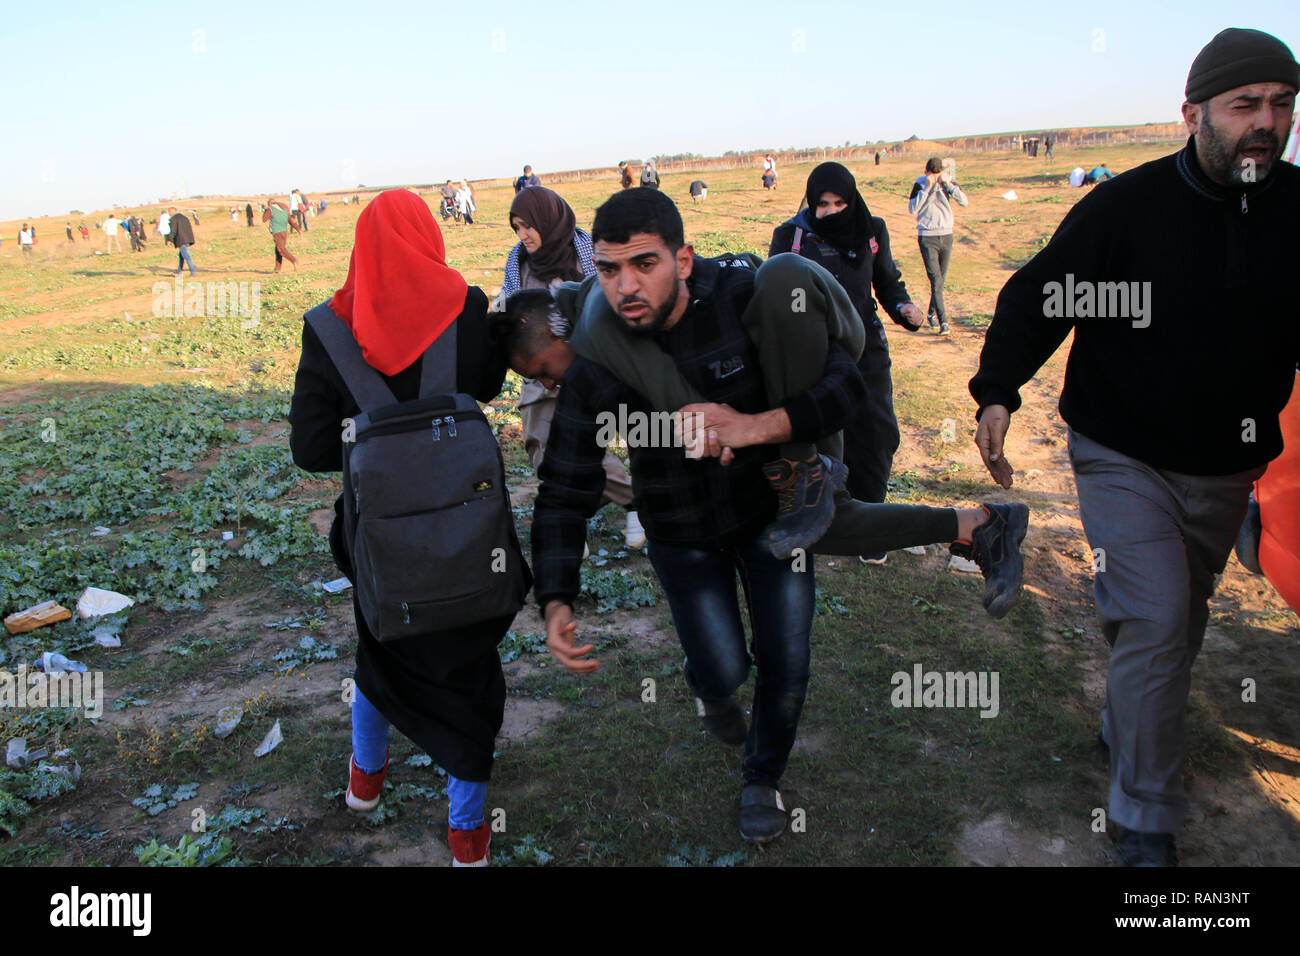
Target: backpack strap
{"x": 365, "y": 384}
{"x": 798, "y": 240}
{"x": 438, "y": 370}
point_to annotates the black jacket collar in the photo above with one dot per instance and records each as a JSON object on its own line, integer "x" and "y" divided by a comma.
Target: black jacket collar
{"x": 1189, "y": 168}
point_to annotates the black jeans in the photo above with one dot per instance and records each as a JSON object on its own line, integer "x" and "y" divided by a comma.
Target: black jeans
{"x": 935, "y": 253}
{"x": 701, "y": 589}
{"x": 871, "y": 434}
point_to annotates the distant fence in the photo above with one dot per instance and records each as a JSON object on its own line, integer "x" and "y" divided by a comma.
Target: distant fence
{"x": 1150, "y": 133}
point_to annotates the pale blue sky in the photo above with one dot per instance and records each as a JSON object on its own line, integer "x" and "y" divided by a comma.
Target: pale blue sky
{"x": 107, "y": 104}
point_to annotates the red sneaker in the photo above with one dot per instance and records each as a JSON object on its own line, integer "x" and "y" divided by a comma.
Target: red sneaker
{"x": 470, "y": 847}
{"x": 363, "y": 788}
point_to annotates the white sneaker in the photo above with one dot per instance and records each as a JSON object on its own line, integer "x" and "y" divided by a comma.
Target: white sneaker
{"x": 633, "y": 533}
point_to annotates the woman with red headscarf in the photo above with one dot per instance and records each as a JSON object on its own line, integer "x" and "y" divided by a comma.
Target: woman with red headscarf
{"x": 444, "y": 691}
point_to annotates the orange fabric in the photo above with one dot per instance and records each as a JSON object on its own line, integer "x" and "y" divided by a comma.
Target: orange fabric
{"x": 400, "y": 293}
{"x": 1278, "y": 494}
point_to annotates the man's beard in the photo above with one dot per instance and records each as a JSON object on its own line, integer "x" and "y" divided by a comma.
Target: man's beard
{"x": 1221, "y": 156}
{"x": 656, "y": 322}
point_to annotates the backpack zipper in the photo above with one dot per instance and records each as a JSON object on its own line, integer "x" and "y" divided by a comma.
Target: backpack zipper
{"x": 390, "y": 428}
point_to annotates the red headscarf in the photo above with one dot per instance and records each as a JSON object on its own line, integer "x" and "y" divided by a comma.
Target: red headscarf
{"x": 400, "y": 293}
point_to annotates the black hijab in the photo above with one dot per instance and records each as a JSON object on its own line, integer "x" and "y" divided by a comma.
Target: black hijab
{"x": 849, "y": 229}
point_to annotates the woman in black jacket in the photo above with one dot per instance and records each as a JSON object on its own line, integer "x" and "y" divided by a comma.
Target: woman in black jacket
{"x": 838, "y": 232}
{"x": 445, "y": 691}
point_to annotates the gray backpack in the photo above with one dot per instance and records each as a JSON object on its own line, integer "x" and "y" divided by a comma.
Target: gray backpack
{"x": 426, "y": 514}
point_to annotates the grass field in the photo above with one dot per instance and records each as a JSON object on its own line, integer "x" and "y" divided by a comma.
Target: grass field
{"x": 168, "y": 430}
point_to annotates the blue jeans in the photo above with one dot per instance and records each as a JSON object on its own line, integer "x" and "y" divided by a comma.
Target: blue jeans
{"x": 701, "y": 589}
{"x": 370, "y": 749}
{"x": 184, "y": 259}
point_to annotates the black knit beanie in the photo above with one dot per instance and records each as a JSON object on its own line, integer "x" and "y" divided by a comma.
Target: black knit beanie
{"x": 1238, "y": 58}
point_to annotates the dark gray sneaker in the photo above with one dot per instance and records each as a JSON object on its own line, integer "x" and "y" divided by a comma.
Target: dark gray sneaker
{"x": 762, "y": 814}
{"x": 996, "y": 549}
{"x": 1135, "y": 848}
{"x": 806, "y": 492}
{"x": 724, "y": 719}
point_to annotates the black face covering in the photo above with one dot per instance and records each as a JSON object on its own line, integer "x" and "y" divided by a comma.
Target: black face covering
{"x": 849, "y": 229}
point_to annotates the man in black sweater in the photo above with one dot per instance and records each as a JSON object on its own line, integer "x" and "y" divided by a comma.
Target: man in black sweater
{"x": 1171, "y": 394}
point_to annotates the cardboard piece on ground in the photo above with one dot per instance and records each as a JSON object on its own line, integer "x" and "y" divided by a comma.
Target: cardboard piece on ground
{"x": 38, "y": 615}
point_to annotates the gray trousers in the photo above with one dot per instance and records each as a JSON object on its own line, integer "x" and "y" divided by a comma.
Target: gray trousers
{"x": 1162, "y": 536}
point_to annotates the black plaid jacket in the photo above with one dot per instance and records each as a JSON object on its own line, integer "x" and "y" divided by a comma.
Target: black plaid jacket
{"x": 685, "y": 502}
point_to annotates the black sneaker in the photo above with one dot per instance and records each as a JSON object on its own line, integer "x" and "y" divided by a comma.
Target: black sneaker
{"x": 943, "y": 328}
{"x": 1135, "y": 848}
{"x": 806, "y": 491}
{"x": 762, "y": 814}
{"x": 996, "y": 549}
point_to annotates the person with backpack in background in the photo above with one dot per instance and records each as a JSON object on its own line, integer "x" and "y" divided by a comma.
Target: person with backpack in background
{"x": 552, "y": 250}
{"x": 838, "y": 232}
{"x": 624, "y": 174}
{"x": 929, "y": 203}
{"x": 407, "y": 328}
{"x": 769, "y": 171}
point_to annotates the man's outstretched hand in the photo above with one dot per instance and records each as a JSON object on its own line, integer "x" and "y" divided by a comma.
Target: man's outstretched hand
{"x": 560, "y": 631}
{"x": 989, "y": 438}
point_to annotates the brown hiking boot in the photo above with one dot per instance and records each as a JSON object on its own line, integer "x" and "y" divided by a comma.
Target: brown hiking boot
{"x": 806, "y": 492}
